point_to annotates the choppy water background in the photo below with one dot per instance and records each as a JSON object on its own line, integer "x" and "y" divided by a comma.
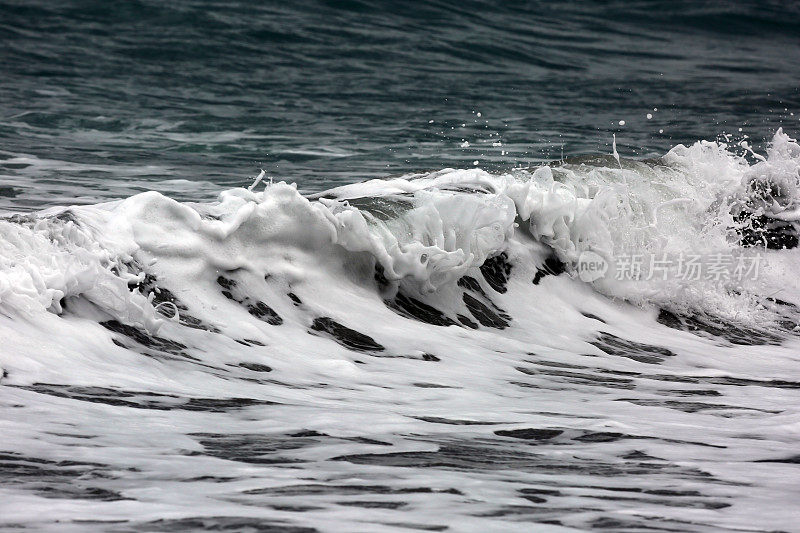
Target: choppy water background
{"x": 106, "y": 98}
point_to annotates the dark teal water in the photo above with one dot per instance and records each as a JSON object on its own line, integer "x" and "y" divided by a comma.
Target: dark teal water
{"x": 113, "y": 97}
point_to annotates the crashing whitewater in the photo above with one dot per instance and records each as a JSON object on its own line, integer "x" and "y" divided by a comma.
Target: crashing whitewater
{"x": 423, "y": 347}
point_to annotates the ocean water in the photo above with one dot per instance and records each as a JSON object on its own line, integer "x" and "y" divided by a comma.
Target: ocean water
{"x": 378, "y": 266}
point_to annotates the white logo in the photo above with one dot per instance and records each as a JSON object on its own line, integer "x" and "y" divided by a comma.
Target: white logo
{"x": 591, "y": 266}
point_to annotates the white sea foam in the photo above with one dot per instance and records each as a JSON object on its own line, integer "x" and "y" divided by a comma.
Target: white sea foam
{"x": 430, "y": 228}
{"x": 295, "y": 374}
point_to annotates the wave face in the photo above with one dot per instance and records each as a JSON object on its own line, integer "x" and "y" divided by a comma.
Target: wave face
{"x": 420, "y": 352}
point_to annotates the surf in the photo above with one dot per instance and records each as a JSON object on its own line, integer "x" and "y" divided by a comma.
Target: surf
{"x": 382, "y": 329}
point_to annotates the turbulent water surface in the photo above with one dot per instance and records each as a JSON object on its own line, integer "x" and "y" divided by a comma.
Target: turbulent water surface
{"x": 393, "y": 327}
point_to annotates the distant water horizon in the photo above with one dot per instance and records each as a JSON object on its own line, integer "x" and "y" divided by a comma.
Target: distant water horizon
{"x": 325, "y": 93}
